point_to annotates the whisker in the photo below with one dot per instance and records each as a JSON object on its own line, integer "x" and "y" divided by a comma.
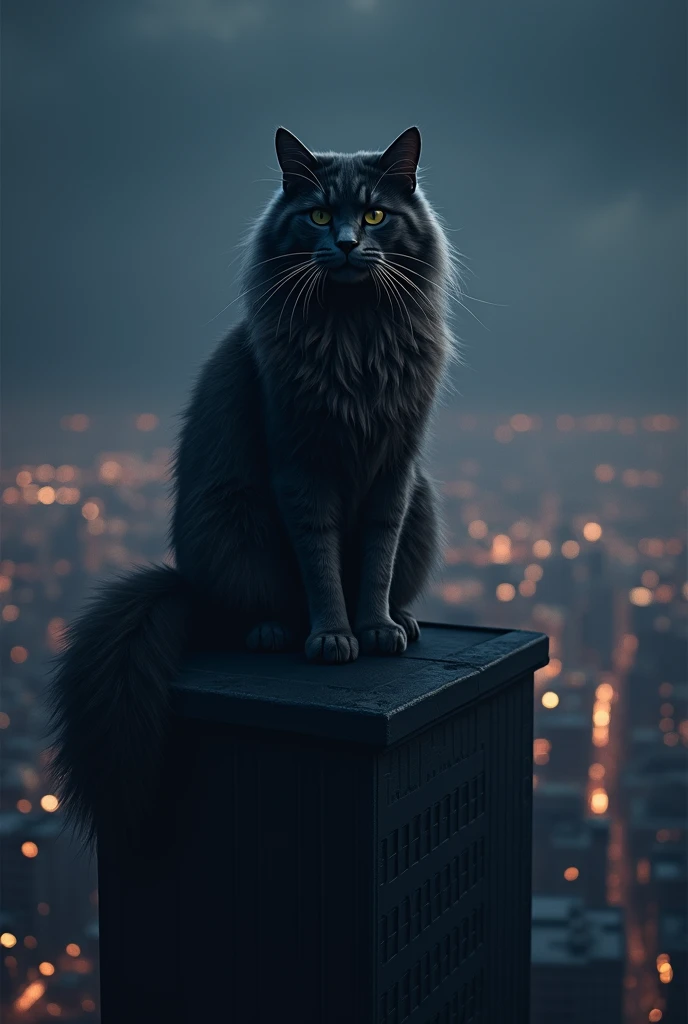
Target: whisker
{"x": 436, "y": 284}
{"x": 252, "y": 288}
{"x": 276, "y": 287}
{"x": 391, "y": 290}
{"x": 458, "y": 297}
{"x": 291, "y": 291}
{"x": 398, "y": 275}
{"x": 485, "y": 302}
{"x": 321, "y": 288}
{"x": 286, "y": 255}
{"x": 296, "y": 300}
{"x": 245, "y": 270}
{"x": 425, "y": 262}
{"x": 406, "y": 256}
{"x": 388, "y": 294}
{"x": 309, "y": 295}
{"x": 393, "y": 285}
{"x": 309, "y": 291}
{"x": 377, "y": 286}
{"x": 399, "y": 267}
{"x": 393, "y": 299}
{"x": 471, "y": 313}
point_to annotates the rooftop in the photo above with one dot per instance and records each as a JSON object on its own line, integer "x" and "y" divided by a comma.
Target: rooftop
{"x": 376, "y": 701}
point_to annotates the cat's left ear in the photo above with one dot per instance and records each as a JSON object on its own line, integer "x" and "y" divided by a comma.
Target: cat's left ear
{"x": 402, "y": 156}
{"x": 295, "y": 159}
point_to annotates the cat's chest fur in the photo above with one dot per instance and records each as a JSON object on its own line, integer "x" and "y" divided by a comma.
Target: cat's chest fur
{"x": 357, "y": 383}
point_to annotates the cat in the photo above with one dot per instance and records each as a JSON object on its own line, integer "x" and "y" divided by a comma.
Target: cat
{"x": 303, "y": 515}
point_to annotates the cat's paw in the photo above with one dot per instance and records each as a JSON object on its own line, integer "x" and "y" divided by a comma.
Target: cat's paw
{"x": 382, "y": 638}
{"x": 269, "y": 636}
{"x": 408, "y": 624}
{"x": 331, "y": 648}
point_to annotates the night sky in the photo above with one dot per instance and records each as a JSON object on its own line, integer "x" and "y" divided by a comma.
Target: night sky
{"x": 137, "y": 137}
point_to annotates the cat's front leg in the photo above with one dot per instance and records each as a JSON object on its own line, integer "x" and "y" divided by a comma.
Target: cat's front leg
{"x": 310, "y": 509}
{"x": 383, "y": 517}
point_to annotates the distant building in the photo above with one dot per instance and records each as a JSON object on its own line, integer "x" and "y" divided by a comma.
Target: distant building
{"x": 556, "y": 802}
{"x": 570, "y": 858}
{"x": 577, "y": 963}
{"x": 597, "y": 615}
{"x": 567, "y": 729}
{"x": 18, "y": 906}
{"x": 673, "y": 944}
{"x": 656, "y": 791}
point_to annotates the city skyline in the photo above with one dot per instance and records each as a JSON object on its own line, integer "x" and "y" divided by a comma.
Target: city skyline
{"x": 573, "y": 526}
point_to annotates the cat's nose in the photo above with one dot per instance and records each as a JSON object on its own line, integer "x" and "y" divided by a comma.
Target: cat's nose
{"x": 346, "y": 245}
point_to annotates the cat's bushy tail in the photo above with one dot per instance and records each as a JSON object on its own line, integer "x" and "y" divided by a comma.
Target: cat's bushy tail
{"x": 109, "y": 696}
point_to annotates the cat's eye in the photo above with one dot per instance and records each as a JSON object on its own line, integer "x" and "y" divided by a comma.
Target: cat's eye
{"x": 321, "y": 217}
{"x": 374, "y": 216}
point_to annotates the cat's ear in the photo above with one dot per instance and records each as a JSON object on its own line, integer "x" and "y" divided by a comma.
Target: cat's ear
{"x": 295, "y": 159}
{"x": 401, "y": 158}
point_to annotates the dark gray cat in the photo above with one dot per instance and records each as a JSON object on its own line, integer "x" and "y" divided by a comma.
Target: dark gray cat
{"x": 303, "y": 513}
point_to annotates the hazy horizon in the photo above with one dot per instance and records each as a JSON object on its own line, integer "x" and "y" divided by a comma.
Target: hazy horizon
{"x": 136, "y": 140}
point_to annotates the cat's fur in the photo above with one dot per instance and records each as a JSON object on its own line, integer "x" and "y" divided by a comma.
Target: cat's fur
{"x": 302, "y": 510}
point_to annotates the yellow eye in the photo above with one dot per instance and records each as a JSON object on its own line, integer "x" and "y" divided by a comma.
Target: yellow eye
{"x": 321, "y": 216}
{"x": 374, "y": 216}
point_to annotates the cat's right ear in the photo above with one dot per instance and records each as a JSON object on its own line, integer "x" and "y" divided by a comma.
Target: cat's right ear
{"x": 295, "y": 159}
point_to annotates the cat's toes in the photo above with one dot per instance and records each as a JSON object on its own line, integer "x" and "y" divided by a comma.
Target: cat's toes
{"x": 268, "y": 636}
{"x": 331, "y": 648}
{"x": 385, "y": 638}
{"x": 408, "y": 624}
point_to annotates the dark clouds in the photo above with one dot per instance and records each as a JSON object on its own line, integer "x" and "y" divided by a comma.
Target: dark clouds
{"x": 134, "y": 134}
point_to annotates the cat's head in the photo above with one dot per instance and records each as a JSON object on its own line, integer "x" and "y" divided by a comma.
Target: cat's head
{"x": 348, "y": 210}
{"x": 343, "y": 223}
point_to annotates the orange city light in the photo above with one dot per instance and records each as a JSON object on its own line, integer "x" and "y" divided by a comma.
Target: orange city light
{"x": 599, "y": 801}
{"x": 31, "y": 994}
